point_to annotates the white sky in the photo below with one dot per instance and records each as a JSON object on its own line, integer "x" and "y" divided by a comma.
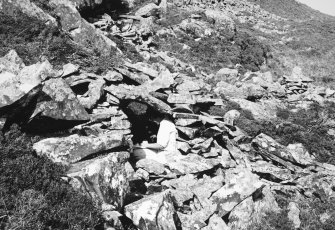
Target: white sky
{"x": 325, "y": 6}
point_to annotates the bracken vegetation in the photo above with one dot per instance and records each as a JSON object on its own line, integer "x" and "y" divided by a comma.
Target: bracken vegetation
{"x": 32, "y": 193}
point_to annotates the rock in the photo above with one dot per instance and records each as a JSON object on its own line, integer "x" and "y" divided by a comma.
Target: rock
{"x": 187, "y": 132}
{"x": 298, "y": 76}
{"x": 142, "y": 174}
{"x": 163, "y": 81}
{"x": 27, "y": 7}
{"x": 151, "y": 166}
{"x": 240, "y": 184}
{"x": 73, "y": 148}
{"x": 155, "y": 212}
{"x": 190, "y": 86}
{"x": 18, "y": 93}
{"x": 228, "y": 90}
{"x": 70, "y": 69}
{"x": 104, "y": 178}
{"x": 221, "y": 18}
{"x": 268, "y": 146}
{"x": 144, "y": 68}
{"x": 186, "y": 122}
{"x": 125, "y": 93}
{"x": 181, "y": 183}
{"x": 11, "y": 63}
{"x": 82, "y": 32}
{"x": 263, "y": 110}
{"x": 253, "y": 210}
{"x": 196, "y": 28}
{"x": 148, "y": 10}
{"x": 274, "y": 173}
{"x": 181, "y": 99}
{"x": 93, "y": 95}
{"x": 231, "y": 117}
{"x": 138, "y": 78}
{"x": 113, "y": 76}
{"x": 191, "y": 163}
{"x": 216, "y": 223}
{"x": 300, "y": 154}
{"x": 253, "y": 91}
{"x": 57, "y": 103}
{"x": 227, "y": 75}
{"x": 293, "y": 214}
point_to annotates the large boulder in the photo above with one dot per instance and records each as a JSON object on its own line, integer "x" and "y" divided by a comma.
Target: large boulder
{"x": 240, "y": 184}
{"x": 80, "y": 30}
{"x": 20, "y": 80}
{"x": 59, "y": 104}
{"x": 104, "y": 179}
{"x": 73, "y": 148}
{"x": 223, "y": 19}
{"x": 155, "y": 212}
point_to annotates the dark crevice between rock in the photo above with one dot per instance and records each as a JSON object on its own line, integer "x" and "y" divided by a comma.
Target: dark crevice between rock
{"x": 105, "y": 153}
{"x": 269, "y": 177}
{"x": 81, "y": 88}
{"x": 113, "y": 8}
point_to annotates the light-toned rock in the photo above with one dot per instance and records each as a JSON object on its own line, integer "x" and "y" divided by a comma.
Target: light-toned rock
{"x": 216, "y": 223}
{"x": 293, "y": 214}
{"x": 240, "y": 183}
{"x": 82, "y": 32}
{"x": 70, "y": 69}
{"x": 231, "y": 117}
{"x": 191, "y": 163}
{"x": 104, "y": 178}
{"x": 147, "y": 10}
{"x": 94, "y": 93}
{"x": 11, "y": 63}
{"x": 300, "y": 154}
{"x": 73, "y": 148}
{"x": 61, "y": 103}
{"x": 228, "y": 75}
{"x": 155, "y": 212}
{"x": 151, "y": 166}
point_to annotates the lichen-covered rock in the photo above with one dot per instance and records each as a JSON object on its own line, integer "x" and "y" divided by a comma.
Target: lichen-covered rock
{"x": 95, "y": 91}
{"x": 293, "y": 214}
{"x": 155, "y": 212}
{"x": 74, "y": 148}
{"x": 11, "y": 63}
{"x": 240, "y": 183}
{"x": 274, "y": 172}
{"x": 80, "y": 30}
{"x": 191, "y": 163}
{"x": 227, "y": 75}
{"x": 104, "y": 178}
{"x": 58, "y": 102}
{"x": 253, "y": 210}
{"x": 151, "y": 166}
{"x": 300, "y": 154}
{"x": 15, "y": 86}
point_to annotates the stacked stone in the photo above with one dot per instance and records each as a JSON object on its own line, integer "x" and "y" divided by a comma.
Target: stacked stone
{"x": 297, "y": 83}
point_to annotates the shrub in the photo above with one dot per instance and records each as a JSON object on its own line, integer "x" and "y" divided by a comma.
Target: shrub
{"x": 33, "y": 195}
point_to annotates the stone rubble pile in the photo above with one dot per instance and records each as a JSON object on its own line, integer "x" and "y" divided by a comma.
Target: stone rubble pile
{"x": 220, "y": 178}
{"x": 217, "y": 173}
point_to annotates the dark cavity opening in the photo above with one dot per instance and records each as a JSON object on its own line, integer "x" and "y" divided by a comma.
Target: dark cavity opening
{"x": 111, "y": 7}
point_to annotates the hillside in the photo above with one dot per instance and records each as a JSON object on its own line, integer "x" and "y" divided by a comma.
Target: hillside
{"x": 244, "y": 91}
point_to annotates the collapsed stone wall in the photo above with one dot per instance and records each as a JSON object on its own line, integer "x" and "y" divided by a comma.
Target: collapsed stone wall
{"x": 217, "y": 173}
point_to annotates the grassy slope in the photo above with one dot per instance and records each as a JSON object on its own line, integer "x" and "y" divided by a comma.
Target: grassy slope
{"x": 309, "y": 43}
